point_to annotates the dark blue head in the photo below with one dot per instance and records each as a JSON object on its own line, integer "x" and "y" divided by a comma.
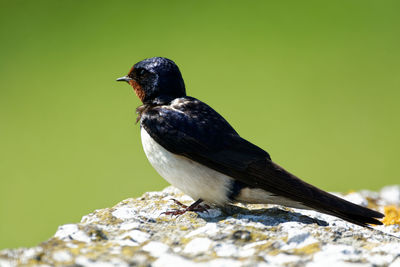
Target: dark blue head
{"x": 156, "y": 80}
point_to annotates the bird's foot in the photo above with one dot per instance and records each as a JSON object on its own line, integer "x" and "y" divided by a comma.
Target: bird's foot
{"x": 177, "y": 202}
{"x": 193, "y": 207}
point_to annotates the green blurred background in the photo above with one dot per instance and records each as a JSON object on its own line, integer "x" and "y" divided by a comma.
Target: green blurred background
{"x": 316, "y": 83}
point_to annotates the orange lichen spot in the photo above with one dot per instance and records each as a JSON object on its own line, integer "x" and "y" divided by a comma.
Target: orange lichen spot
{"x": 392, "y": 215}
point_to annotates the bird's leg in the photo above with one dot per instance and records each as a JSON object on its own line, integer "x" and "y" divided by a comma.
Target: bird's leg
{"x": 179, "y": 203}
{"x": 195, "y": 206}
{"x": 205, "y": 207}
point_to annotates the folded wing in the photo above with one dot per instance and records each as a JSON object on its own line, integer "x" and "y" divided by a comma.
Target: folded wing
{"x": 196, "y": 131}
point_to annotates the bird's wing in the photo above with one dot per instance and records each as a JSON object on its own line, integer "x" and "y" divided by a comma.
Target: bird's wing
{"x": 196, "y": 131}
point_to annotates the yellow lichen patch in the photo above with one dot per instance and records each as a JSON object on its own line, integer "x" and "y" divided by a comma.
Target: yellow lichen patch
{"x": 392, "y": 215}
{"x": 307, "y": 250}
{"x": 370, "y": 246}
{"x": 105, "y": 216}
{"x": 184, "y": 228}
{"x": 129, "y": 251}
{"x": 267, "y": 246}
{"x": 184, "y": 240}
{"x": 372, "y": 203}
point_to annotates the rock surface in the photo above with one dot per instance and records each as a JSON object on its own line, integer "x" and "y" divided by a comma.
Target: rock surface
{"x": 136, "y": 233}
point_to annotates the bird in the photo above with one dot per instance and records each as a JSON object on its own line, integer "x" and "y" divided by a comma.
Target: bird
{"x": 197, "y": 151}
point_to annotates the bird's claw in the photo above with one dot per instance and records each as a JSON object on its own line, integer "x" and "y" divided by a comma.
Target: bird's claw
{"x": 196, "y": 207}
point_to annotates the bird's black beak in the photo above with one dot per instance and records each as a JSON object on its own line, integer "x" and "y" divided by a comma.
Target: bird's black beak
{"x": 124, "y": 79}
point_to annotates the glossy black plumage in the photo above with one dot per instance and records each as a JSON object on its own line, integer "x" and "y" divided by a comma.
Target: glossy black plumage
{"x": 157, "y": 82}
{"x": 190, "y": 130}
{"x": 188, "y": 127}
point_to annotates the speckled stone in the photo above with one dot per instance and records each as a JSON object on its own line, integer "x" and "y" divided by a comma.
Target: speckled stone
{"x": 135, "y": 232}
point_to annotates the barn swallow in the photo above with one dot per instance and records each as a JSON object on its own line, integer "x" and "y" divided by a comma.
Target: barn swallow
{"x": 196, "y": 150}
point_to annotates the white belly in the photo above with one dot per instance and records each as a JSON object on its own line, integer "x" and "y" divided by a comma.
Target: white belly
{"x": 199, "y": 181}
{"x": 192, "y": 178}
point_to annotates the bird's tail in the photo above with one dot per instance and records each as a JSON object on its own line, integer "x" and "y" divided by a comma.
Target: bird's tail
{"x": 351, "y": 212}
{"x": 312, "y": 197}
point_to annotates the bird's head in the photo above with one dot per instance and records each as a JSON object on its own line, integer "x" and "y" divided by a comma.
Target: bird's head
{"x": 156, "y": 80}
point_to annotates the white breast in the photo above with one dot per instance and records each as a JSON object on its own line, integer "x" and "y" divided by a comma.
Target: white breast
{"x": 192, "y": 178}
{"x": 199, "y": 181}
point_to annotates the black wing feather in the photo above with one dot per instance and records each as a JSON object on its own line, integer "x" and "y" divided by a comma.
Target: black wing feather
{"x": 194, "y": 130}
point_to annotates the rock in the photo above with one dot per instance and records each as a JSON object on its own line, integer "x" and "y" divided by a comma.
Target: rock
{"x": 135, "y": 232}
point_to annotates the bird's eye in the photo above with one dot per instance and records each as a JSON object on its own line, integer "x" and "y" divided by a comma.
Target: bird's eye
{"x": 142, "y": 72}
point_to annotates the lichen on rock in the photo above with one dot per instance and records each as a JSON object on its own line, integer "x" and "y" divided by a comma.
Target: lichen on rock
{"x": 135, "y": 232}
{"x": 392, "y": 215}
